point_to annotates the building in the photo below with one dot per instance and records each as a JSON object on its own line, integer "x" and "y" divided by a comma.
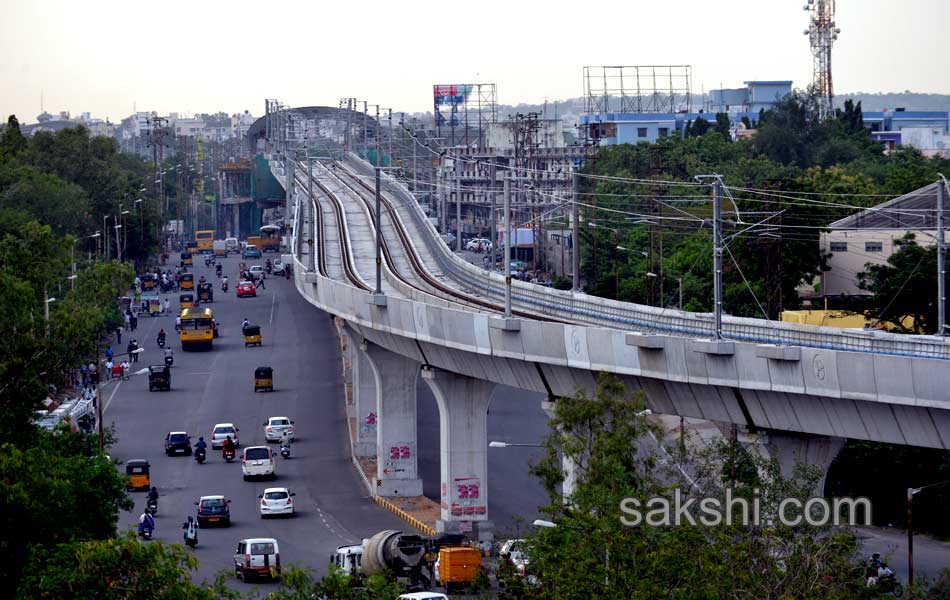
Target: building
{"x": 928, "y": 131}
{"x": 754, "y": 97}
{"x": 610, "y": 129}
{"x": 870, "y": 236}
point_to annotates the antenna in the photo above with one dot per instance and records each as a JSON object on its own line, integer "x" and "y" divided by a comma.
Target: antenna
{"x": 822, "y": 33}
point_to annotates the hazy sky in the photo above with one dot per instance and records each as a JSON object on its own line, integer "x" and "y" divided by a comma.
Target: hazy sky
{"x": 105, "y": 56}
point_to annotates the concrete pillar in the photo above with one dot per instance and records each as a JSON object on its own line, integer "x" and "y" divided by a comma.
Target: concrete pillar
{"x": 463, "y": 417}
{"x": 568, "y": 468}
{"x": 397, "y": 461}
{"x": 236, "y": 216}
{"x": 790, "y": 449}
{"x": 365, "y": 402}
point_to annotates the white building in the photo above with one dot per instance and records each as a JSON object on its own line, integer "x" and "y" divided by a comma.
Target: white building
{"x": 870, "y": 237}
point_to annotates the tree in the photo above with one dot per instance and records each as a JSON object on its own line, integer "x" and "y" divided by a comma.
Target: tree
{"x": 722, "y": 126}
{"x": 116, "y": 569}
{"x": 12, "y": 141}
{"x": 699, "y": 128}
{"x": 58, "y": 490}
{"x": 591, "y": 552}
{"x": 904, "y": 289}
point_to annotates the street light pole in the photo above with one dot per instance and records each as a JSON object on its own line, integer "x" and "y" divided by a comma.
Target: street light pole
{"x": 717, "y": 255}
{"x": 507, "y": 244}
{"x": 575, "y": 237}
{"x": 941, "y": 261}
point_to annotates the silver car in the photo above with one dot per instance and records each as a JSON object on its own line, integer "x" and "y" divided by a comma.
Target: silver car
{"x": 275, "y": 427}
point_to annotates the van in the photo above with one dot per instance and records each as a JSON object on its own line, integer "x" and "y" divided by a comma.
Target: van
{"x": 257, "y": 557}
{"x": 232, "y": 245}
{"x": 258, "y": 461}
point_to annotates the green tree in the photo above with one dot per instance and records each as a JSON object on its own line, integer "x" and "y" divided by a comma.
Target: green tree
{"x": 12, "y": 141}
{"x": 591, "y": 553}
{"x": 57, "y": 490}
{"x": 115, "y": 569}
{"x": 699, "y": 128}
{"x": 904, "y": 290}
{"x": 722, "y": 126}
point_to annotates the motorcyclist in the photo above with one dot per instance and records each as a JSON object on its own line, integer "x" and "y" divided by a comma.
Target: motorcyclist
{"x": 285, "y": 443}
{"x": 217, "y": 270}
{"x": 146, "y": 521}
{"x": 178, "y": 323}
{"x": 153, "y": 495}
{"x": 224, "y": 283}
{"x": 161, "y": 337}
{"x": 201, "y": 279}
{"x": 201, "y": 444}
{"x": 268, "y": 266}
{"x": 191, "y": 529}
{"x": 245, "y": 324}
{"x": 227, "y": 446}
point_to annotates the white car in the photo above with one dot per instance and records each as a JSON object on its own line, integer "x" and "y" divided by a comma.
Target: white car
{"x": 277, "y": 501}
{"x": 257, "y": 272}
{"x": 475, "y": 243}
{"x": 275, "y": 427}
{"x": 277, "y": 267}
{"x": 258, "y": 461}
{"x": 220, "y": 433}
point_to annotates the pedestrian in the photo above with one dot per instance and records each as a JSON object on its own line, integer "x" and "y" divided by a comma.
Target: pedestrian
{"x": 125, "y": 369}
{"x": 93, "y": 374}
{"x": 166, "y": 306}
{"x": 108, "y": 366}
{"x": 109, "y": 352}
{"x": 135, "y": 355}
{"x": 128, "y": 321}
{"x": 134, "y": 322}
{"x": 178, "y": 323}
{"x": 84, "y": 370}
{"x": 118, "y": 335}
{"x": 261, "y": 283}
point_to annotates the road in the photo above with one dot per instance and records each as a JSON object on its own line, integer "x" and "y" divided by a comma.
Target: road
{"x": 301, "y": 345}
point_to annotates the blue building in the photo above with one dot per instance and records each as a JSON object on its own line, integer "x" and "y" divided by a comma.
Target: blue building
{"x": 630, "y": 128}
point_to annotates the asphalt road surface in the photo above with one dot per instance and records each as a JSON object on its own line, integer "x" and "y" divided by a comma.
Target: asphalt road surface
{"x": 209, "y": 387}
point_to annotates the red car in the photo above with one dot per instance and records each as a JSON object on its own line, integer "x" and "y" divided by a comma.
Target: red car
{"x": 246, "y": 288}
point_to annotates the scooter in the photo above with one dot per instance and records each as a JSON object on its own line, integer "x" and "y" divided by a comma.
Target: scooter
{"x": 169, "y": 360}
{"x": 200, "y": 454}
{"x": 152, "y": 507}
{"x": 285, "y": 450}
{"x": 229, "y": 455}
{"x": 145, "y": 533}
{"x": 161, "y": 342}
{"x": 224, "y": 286}
{"x": 191, "y": 536}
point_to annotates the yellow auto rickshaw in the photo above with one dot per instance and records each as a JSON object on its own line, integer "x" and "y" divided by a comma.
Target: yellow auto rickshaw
{"x": 148, "y": 282}
{"x": 264, "y": 379}
{"x": 205, "y": 292}
{"x": 137, "y": 471}
{"x": 154, "y": 304}
{"x": 187, "y": 282}
{"x": 252, "y": 337}
{"x": 186, "y": 259}
{"x": 186, "y": 301}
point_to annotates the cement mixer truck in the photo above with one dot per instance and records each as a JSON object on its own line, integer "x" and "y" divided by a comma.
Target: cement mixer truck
{"x": 411, "y": 557}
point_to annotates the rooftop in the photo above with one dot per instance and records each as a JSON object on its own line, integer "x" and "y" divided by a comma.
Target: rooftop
{"x": 914, "y": 210}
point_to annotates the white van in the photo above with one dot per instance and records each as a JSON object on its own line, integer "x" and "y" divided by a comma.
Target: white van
{"x": 258, "y": 461}
{"x": 257, "y": 557}
{"x": 232, "y": 245}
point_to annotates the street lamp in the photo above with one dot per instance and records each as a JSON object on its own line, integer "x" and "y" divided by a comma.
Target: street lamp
{"x": 509, "y": 445}
{"x": 73, "y": 257}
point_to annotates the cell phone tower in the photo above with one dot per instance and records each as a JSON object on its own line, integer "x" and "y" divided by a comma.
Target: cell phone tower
{"x": 822, "y": 33}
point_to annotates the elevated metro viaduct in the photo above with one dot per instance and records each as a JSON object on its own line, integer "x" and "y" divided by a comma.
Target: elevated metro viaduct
{"x": 802, "y": 390}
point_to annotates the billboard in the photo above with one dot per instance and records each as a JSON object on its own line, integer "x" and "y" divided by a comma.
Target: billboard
{"x": 446, "y": 100}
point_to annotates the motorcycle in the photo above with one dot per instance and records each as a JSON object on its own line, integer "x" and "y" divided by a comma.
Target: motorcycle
{"x": 169, "y": 358}
{"x": 161, "y": 342}
{"x": 224, "y": 286}
{"x": 269, "y": 267}
{"x": 229, "y": 455}
{"x": 209, "y": 260}
{"x": 190, "y": 535}
{"x": 145, "y": 533}
{"x": 152, "y": 507}
{"x": 200, "y": 455}
{"x": 285, "y": 450}
{"x": 217, "y": 270}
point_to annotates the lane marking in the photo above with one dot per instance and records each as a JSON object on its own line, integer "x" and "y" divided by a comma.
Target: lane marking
{"x": 105, "y": 406}
{"x": 273, "y": 305}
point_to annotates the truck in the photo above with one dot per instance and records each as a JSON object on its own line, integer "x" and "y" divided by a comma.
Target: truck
{"x": 220, "y": 248}
{"x": 411, "y": 557}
